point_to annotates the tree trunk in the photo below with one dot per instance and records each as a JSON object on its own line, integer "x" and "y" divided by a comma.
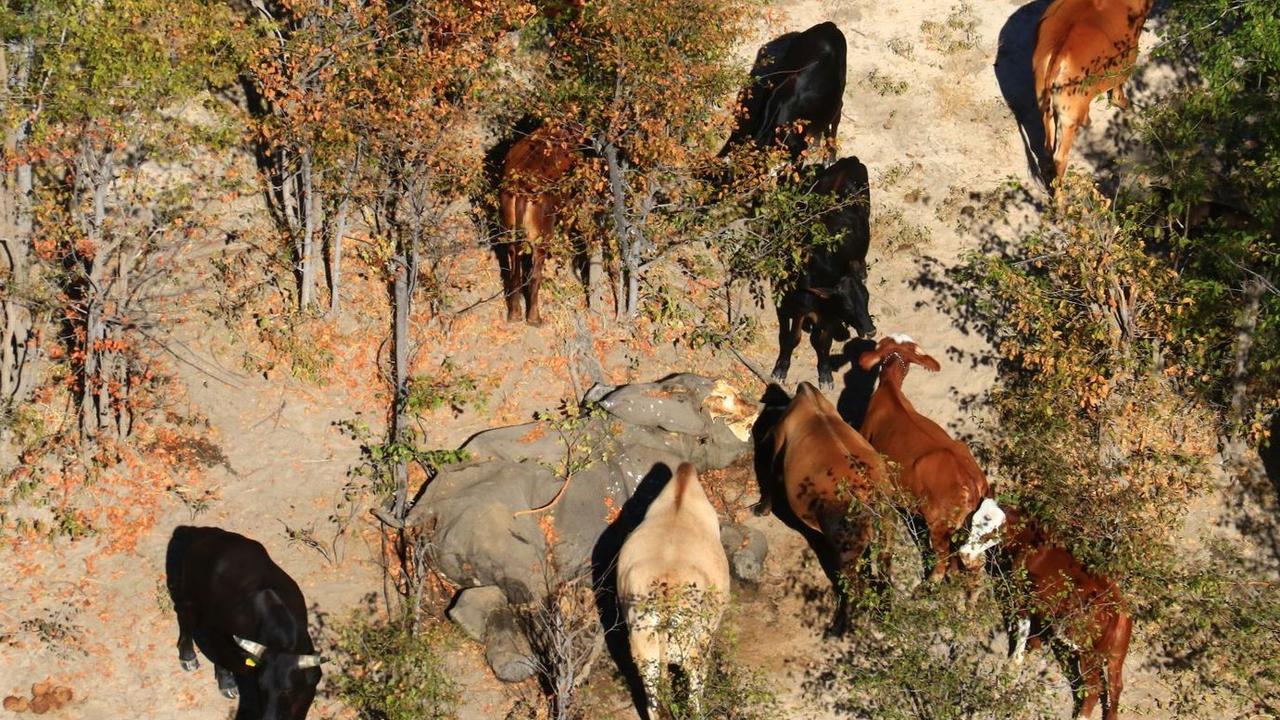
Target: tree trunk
{"x": 340, "y": 229}
{"x": 16, "y": 321}
{"x": 624, "y": 232}
{"x": 306, "y": 250}
{"x": 402, "y": 297}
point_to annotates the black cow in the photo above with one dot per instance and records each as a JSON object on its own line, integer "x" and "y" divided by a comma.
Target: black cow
{"x": 831, "y": 292}
{"x": 248, "y": 617}
{"x": 798, "y": 77}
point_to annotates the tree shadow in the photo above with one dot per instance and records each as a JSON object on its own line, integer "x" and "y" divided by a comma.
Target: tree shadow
{"x": 604, "y": 577}
{"x": 1017, "y": 84}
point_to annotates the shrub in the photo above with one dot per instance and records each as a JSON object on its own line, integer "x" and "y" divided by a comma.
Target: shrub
{"x": 394, "y": 671}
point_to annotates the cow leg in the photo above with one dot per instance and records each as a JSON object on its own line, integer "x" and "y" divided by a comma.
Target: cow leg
{"x": 1021, "y": 631}
{"x": 186, "y": 648}
{"x": 509, "y": 264}
{"x": 1118, "y": 98}
{"x": 833, "y": 128}
{"x": 1091, "y": 675}
{"x": 790, "y": 328}
{"x": 940, "y": 543}
{"x": 849, "y": 538}
{"x": 226, "y": 682}
{"x": 820, "y": 338}
{"x": 1063, "y": 151}
{"x": 646, "y": 652}
{"x": 1115, "y": 684}
{"x": 533, "y": 282}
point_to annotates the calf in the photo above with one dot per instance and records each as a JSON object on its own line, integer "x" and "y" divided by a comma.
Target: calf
{"x": 1083, "y": 49}
{"x": 530, "y": 198}
{"x": 833, "y": 482}
{"x": 831, "y": 292}
{"x": 940, "y": 478}
{"x": 1052, "y": 594}
{"x": 796, "y": 93}
{"x": 248, "y": 617}
{"x": 673, "y": 578}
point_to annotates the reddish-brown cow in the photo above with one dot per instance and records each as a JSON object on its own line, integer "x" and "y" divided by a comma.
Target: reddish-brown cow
{"x": 529, "y": 202}
{"x": 938, "y": 473}
{"x": 1083, "y": 49}
{"x": 833, "y": 481}
{"x": 1055, "y": 594}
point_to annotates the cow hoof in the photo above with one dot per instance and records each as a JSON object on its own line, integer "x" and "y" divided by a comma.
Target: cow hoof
{"x": 760, "y": 509}
{"x": 189, "y": 665}
{"x": 826, "y": 383}
{"x": 230, "y": 693}
{"x": 535, "y": 322}
{"x": 779, "y": 375}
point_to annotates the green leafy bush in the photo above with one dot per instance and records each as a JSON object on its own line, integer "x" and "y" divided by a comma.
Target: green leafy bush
{"x": 394, "y": 671}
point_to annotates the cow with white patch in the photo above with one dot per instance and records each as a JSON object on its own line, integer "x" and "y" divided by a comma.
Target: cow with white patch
{"x": 1054, "y": 596}
{"x": 248, "y": 617}
{"x": 943, "y": 483}
{"x": 673, "y": 579}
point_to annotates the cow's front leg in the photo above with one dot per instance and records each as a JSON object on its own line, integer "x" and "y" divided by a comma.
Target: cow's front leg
{"x": 789, "y": 329}
{"x": 226, "y": 682}
{"x": 821, "y": 340}
{"x": 1021, "y": 631}
{"x": 186, "y": 648}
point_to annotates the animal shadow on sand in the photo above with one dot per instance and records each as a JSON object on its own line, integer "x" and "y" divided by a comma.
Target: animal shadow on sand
{"x": 1017, "y": 84}
{"x": 604, "y": 576}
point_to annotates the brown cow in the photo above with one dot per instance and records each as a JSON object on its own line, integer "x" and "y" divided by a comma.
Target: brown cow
{"x": 833, "y": 481}
{"x": 944, "y": 483}
{"x": 1083, "y": 49}
{"x": 1054, "y": 594}
{"x": 529, "y": 202}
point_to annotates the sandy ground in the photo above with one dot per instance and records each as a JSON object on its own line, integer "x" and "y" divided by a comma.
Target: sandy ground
{"x": 924, "y": 109}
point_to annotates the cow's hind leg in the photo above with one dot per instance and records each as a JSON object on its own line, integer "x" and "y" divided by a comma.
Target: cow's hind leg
{"x": 790, "y": 327}
{"x": 226, "y": 682}
{"x": 533, "y": 282}
{"x": 509, "y": 264}
{"x": 849, "y": 537}
{"x": 820, "y": 338}
{"x": 1090, "y": 675}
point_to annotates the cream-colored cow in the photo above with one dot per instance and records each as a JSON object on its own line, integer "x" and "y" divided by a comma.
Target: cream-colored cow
{"x": 673, "y": 579}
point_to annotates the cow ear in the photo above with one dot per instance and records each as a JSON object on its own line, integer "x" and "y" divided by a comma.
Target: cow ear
{"x": 824, "y": 293}
{"x": 925, "y": 361}
{"x": 869, "y": 359}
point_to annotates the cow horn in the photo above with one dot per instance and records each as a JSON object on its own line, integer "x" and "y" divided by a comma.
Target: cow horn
{"x": 249, "y": 646}
{"x": 309, "y": 661}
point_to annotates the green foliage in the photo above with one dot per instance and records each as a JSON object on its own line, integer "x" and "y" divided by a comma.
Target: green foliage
{"x": 1218, "y": 138}
{"x": 1088, "y": 404}
{"x": 931, "y": 656}
{"x": 394, "y": 671}
{"x": 378, "y": 459}
{"x": 291, "y": 339}
{"x": 884, "y": 84}
{"x": 450, "y": 388}
{"x": 1217, "y": 635}
{"x": 955, "y": 33}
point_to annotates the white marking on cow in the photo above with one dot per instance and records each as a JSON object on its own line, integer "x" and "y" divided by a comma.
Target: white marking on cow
{"x": 901, "y": 338}
{"x": 986, "y": 519}
{"x": 1021, "y": 634}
